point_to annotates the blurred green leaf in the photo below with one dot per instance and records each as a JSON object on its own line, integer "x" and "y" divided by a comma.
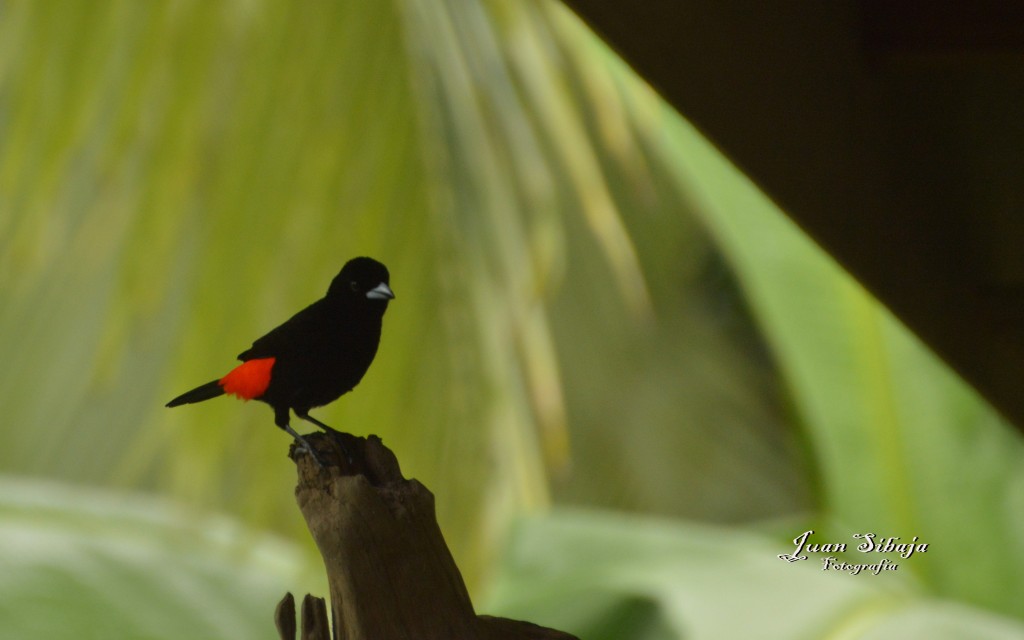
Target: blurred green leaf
{"x": 903, "y": 446}
{"x": 94, "y": 564}
{"x": 606, "y": 575}
{"x": 679, "y": 411}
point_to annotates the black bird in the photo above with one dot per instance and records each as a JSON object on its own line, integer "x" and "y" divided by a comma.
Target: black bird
{"x": 318, "y": 355}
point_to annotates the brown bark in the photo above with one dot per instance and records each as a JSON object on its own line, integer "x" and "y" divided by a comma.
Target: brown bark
{"x": 390, "y": 573}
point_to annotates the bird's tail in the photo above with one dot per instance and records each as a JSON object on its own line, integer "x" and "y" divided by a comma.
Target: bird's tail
{"x": 200, "y": 393}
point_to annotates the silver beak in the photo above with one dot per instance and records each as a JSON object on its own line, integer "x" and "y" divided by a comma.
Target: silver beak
{"x": 380, "y": 292}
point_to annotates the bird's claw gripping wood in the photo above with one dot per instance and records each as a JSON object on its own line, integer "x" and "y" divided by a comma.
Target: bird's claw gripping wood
{"x": 303, "y": 445}
{"x": 308, "y": 448}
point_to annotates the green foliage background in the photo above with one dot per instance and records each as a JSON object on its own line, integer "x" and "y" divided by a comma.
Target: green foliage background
{"x": 627, "y": 378}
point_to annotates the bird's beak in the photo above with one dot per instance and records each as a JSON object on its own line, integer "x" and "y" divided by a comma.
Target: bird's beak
{"x": 380, "y": 292}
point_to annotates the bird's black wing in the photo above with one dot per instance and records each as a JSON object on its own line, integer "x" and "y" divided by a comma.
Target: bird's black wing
{"x": 297, "y": 334}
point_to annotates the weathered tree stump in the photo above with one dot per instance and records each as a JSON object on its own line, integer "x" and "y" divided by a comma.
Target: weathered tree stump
{"x": 390, "y": 573}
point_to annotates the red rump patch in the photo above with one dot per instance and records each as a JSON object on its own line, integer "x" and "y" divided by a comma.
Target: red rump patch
{"x": 248, "y": 380}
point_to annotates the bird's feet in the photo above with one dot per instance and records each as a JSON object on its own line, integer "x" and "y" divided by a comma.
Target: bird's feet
{"x": 304, "y": 445}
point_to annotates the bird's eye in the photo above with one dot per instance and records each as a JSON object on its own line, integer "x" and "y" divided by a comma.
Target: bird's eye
{"x": 354, "y": 285}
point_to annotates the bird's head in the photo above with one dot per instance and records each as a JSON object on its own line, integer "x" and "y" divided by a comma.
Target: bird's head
{"x": 362, "y": 278}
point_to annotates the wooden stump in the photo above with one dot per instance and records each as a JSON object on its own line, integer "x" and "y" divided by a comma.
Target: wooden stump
{"x": 390, "y": 573}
